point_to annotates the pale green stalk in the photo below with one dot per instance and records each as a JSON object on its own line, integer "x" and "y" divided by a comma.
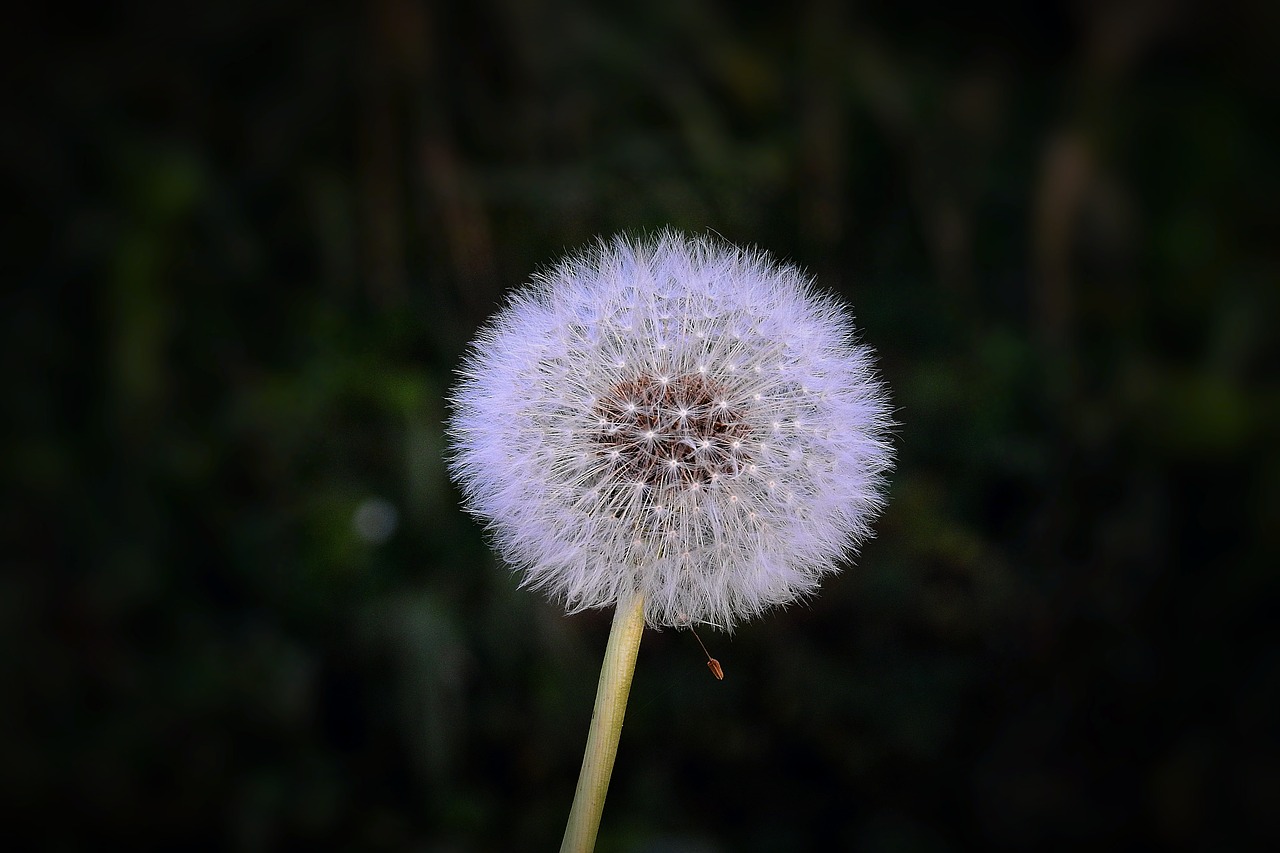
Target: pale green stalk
{"x": 606, "y": 726}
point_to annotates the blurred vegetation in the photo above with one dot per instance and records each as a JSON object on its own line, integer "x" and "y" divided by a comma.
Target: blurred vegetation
{"x": 250, "y": 241}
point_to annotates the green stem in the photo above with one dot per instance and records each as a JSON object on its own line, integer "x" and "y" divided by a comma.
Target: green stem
{"x": 606, "y": 727}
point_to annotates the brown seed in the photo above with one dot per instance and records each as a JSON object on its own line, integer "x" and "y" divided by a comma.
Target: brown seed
{"x": 714, "y": 666}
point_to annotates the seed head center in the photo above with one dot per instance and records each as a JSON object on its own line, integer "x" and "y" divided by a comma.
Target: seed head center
{"x": 670, "y": 431}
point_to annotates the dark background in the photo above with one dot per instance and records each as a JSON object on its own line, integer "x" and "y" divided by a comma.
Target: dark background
{"x": 247, "y": 243}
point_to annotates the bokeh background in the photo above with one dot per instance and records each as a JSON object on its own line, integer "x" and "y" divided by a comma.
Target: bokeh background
{"x": 248, "y": 242}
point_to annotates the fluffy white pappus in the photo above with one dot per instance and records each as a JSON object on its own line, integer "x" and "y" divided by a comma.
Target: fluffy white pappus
{"x": 677, "y": 416}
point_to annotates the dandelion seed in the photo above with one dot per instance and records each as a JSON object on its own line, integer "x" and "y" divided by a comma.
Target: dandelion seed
{"x": 716, "y": 669}
{"x": 712, "y": 663}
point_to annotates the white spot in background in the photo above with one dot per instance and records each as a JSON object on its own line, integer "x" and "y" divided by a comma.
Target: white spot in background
{"x": 375, "y": 520}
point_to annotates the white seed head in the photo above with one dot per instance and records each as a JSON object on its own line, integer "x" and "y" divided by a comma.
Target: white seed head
{"x": 676, "y": 416}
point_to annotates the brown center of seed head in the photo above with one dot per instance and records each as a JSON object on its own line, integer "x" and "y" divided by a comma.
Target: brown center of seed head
{"x": 671, "y": 431}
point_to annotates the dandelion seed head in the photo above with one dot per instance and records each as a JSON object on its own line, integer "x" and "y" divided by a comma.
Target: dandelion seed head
{"x": 676, "y": 416}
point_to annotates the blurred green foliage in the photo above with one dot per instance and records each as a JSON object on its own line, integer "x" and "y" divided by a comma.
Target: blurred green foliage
{"x": 243, "y": 611}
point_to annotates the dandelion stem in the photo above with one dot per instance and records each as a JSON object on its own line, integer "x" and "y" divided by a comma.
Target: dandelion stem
{"x": 606, "y": 726}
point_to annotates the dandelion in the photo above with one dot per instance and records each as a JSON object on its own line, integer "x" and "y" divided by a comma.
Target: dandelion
{"x": 679, "y": 428}
{"x": 674, "y": 417}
